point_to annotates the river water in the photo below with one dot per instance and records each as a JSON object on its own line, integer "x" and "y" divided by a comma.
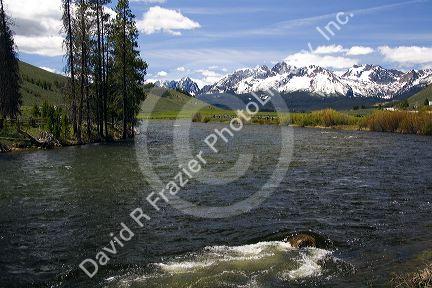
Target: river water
{"x": 369, "y": 193}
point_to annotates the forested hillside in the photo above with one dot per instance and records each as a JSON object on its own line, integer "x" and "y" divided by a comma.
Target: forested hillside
{"x": 39, "y": 86}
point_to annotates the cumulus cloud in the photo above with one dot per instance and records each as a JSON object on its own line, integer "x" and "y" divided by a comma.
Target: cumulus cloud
{"x": 407, "y": 55}
{"x": 162, "y": 74}
{"x": 40, "y": 45}
{"x": 360, "y": 50}
{"x": 181, "y": 69}
{"x": 158, "y": 19}
{"x": 331, "y": 49}
{"x": 37, "y": 25}
{"x": 304, "y": 58}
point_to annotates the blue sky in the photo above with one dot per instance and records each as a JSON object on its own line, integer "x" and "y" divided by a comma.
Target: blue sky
{"x": 207, "y": 39}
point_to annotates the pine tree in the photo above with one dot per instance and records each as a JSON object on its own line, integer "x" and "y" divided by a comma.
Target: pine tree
{"x": 69, "y": 43}
{"x": 10, "y": 97}
{"x": 426, "y": 102}
{"x": 97, "y": 7}
{"x": 82, "y": 26}
{"x": 104, "y": 24}
{"x": 128, "y": 68}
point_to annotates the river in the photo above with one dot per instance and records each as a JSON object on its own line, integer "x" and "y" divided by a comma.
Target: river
{"x": 369, "y": 193}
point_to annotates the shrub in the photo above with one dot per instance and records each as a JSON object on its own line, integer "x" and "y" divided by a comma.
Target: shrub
{"x": 324, "y": 118}
{"x": 36, "y": 113}
{"x": 197, "y": 117}
{"x": 400, "y": 121}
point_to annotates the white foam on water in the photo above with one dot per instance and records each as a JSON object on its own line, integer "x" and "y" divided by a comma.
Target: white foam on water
{"x": 184, "y": 266}
{"x": 242, "y": 266}
{"x": 309, "y": 264}
{"x": 253, "y": 249}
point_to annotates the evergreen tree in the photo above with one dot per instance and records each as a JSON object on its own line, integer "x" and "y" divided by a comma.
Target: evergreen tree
{"x": 81, "y": 28}
{"x": 426, "y": 102}
{"x": 97, "y": 7}
{"x": 10, "y": 97}
{"x": 128, "y": 69}
{"x": 69, "y": 43}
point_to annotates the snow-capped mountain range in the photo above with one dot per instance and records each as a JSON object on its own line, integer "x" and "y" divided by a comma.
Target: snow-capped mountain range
{"x": 358, "y": 81}
{"x": 185, "y": 84}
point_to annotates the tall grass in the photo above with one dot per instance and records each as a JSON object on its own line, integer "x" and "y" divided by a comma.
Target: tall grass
{"x": 399, "y": 122}
{"x": 380, "y": 121}
{"x": 323, "y": 118}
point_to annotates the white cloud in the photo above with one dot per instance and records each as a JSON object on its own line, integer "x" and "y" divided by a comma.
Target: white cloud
{"x": 304, "y": 58}
{"x": 37, "y": 26}
{"x": 407, "y": 55}
{"x": 181, "y": 69}
{"x": 209, "y": 77}
{"x": 49, "y": 69}
{"x": 162, "y": 74}
{"x": 337, "y": 49}
{"x": 41, "y": 45}
{"x": 331, "y": 49}
{"x": 360, "y": 50}
{"x": 158, "y": 19}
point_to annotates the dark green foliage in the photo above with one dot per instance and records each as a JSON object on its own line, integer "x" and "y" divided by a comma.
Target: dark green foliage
{"x": 127, "y": 68}
{"x": 36, "y": 113}
{"x": 183, "y": 92}
{"x": 45, "y": 110}
{"x": 32, "y": 94}
{"x": 65, "y": 126}
{"x": 149, "y": 86}
{"x": 419, "y": 98}
{"x": 404, "y": 104}
{"x": 426, "y": 102}
{"x": 10, "y": 96}
{"x": 56, "y": 121}
{"x": 107, "y": 66}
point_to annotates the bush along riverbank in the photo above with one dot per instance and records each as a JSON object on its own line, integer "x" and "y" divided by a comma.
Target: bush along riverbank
{"x": 405, "y": 122}
{"x": 48, "y": 127}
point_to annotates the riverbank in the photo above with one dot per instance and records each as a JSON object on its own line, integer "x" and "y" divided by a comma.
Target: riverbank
{"x": 42, "y": 140}
{"x": 403, "y": 122}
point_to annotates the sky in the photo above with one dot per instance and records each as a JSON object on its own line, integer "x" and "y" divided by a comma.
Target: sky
{"x": 206, "y": 40}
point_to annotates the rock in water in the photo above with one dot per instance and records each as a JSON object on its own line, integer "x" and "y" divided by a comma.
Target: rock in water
{"x": 302, "y": 241}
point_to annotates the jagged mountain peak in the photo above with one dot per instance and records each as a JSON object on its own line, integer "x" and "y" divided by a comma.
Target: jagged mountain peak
{"x": 185, "y": 84}
{"x": 359, "y": 81}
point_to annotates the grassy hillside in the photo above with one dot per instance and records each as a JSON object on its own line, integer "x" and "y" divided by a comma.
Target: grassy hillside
{"x": 39, "y": 85}
{"x": 169, "y": 105}
{"x": 419, "y": 98}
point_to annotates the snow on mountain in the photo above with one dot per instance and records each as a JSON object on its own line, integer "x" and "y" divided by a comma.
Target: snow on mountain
{"x": 184, "y": 84}
{"x": 358, "y": 81}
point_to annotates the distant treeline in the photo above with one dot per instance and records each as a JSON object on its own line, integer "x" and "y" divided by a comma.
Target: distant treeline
{"x": 43, "y": 84}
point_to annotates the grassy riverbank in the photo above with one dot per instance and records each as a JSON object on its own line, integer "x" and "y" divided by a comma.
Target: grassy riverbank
{"x": 405, "y": 122}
